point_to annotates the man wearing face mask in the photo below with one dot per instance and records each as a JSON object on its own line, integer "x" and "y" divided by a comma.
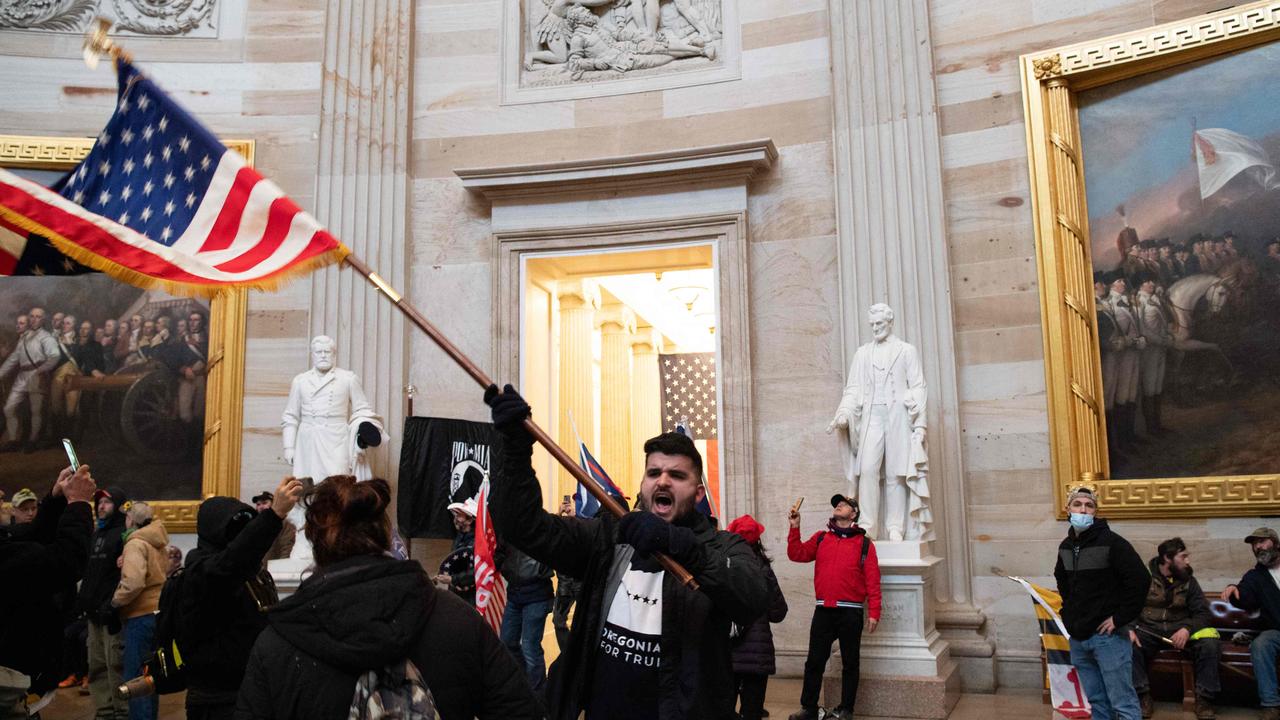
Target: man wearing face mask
{"x": 643, "y": 646}
{"x": 1175, "y": 609}
{"x": 1104, "y": 585}
{"x": 1259, "y": 589}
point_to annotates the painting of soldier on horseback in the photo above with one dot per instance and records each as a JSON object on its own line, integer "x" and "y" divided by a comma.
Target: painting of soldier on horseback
{"x": 1184, "y": 204}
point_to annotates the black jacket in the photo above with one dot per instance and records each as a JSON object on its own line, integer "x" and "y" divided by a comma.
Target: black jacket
{"x": 1259, "y": 592}
{"x": 225, "y": 593}
{"x": 753, "y": 652}
{"x": 1099, "y": 576}
{"x": 695, "y": 678}
{"x": 38, "y": 562}
{"x": 528, "y": 580}
{"x": 1172, "y": 605}
{"x": 368, "y": 612}
{"x": 101, "y": 576}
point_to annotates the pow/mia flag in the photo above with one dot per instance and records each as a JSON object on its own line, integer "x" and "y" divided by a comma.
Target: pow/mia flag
{"x": 442, "y": 461}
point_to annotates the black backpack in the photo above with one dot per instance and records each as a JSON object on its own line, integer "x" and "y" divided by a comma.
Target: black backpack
{"x": 166, "y": 667}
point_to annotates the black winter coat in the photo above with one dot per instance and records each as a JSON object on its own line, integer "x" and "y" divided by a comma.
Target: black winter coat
{"x": 38, "y": 562}
{"x": 1099, "y": 575}
{"x": 753, "y": 652}
{"x": 369, "y": 612}
{"x": 225, "y": 593}
{"x": 695, "y": 679}
{"x": 101, "y": 575}
{"x": 1259, "y": 592}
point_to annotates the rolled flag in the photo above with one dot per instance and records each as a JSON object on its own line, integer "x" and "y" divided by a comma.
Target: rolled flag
{"x": 161, "y": 202}
{"x": 491, "y": 589}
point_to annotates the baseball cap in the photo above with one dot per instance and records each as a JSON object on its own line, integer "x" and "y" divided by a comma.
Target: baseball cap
{"x": 264, "y": 495}
{"x": 1263, "y": 533}
{"x": 838, "y": 498}
{"x": 24, "y": 495}
{"x": 467, "y": 507}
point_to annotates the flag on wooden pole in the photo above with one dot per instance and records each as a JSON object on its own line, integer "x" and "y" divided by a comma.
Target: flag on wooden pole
{"x": 491, "y": 589}
{"x": 1064, "y": 682}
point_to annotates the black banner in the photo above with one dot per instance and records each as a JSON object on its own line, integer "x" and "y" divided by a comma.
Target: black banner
{"x": 442, "y": 460}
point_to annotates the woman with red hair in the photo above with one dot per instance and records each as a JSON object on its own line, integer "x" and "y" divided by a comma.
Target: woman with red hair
{"x": 368, "y": 631}
{"x": 753, "y": 660}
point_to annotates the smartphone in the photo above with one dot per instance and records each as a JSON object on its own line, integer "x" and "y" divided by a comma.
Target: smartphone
{"x": 796, "y": 507}
{"x": 566, "y": 498}
{"x": 71, "y": 454}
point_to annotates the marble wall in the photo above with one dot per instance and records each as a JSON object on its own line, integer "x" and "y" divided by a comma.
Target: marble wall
{"x": 260, "y": 80}
{"x": 784, "y": 94}
{"x": 997, "y": 313}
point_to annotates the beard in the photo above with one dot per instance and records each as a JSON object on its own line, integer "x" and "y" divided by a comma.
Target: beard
{"x": 1180, "y": 574}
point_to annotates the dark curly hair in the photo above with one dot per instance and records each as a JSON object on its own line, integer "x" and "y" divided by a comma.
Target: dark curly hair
{"x": 346, "y": 518}
{"x": 674, "y": 443}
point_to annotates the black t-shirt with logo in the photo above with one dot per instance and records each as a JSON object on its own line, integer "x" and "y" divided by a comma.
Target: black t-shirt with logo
{"x": 629, "y": 650}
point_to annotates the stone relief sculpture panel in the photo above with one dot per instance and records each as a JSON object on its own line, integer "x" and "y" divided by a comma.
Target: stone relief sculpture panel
{"x": 163, "y": 18}
{"x": 581, "y": 41}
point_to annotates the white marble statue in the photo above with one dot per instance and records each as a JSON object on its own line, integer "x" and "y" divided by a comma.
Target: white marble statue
{"x": 328, "y": 424}
{"x": 881, "y": 423}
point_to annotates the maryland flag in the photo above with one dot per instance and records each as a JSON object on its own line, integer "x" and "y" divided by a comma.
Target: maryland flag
{"x": 1063, "y": 681}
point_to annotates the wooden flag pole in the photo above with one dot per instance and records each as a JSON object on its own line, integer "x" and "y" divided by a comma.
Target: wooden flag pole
{"x": 484, "y": 381}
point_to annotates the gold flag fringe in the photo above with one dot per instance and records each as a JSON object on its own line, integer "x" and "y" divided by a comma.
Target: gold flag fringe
{"x": 173, "y": 287}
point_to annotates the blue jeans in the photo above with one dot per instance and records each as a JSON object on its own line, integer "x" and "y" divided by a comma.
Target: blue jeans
{"x": 522, "y": 629}
{"x": 139, "y": 645}
{"x": 1264, "y": 649}
{"x": 1105, "y": 666}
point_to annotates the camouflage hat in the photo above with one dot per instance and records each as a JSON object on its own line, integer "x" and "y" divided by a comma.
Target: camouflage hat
{"x": 24, "y": 495}
{"x": 1263, "y": 533}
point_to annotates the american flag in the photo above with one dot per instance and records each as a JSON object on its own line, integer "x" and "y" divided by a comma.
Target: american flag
{"x": 160, "y": 201}
{"x": 491, "y": 589}
{"x": 689, "y": 407}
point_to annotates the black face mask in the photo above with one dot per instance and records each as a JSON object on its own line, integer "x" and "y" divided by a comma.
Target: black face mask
{"x": 1266, "y": 556}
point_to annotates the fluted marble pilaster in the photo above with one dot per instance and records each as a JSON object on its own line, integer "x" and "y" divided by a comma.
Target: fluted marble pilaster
{"x": 579, "y": 301}
{"x": 362, "y": 197}
{"x": 893, "y": 244}
{"x": 617, "y": 328}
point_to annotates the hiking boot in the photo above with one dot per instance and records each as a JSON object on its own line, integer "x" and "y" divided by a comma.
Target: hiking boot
{"x": 1204, "y": 709}
{"x": 811, "y": 713}
{"x": 1269, "y": 713}
{"x": 841, "y": 714}
{"x": 1147, "y": 703}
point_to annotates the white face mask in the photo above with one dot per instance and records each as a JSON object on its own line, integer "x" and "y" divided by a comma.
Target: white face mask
{"x": 1081, "y": 521}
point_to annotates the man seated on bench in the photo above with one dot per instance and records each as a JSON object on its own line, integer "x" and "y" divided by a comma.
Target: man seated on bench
{"x": 1175, "y": 610}
{"x": 1259, "y": 589}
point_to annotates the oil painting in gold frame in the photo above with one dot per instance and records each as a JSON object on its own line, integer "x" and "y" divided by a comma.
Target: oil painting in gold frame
{"x": 218, "y": 446}
{"x": 1058, "y": 85}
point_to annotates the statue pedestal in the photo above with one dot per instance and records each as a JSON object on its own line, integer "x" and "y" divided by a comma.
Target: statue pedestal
{"x": 907, "y": 670}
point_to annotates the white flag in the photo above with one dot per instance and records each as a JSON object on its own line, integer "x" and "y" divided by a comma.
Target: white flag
{"x": 1222, "y": 154}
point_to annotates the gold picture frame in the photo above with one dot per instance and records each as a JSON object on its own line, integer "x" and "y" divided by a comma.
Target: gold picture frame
{"x": 1051, "y": 81}
{"x": 224, "y": 390}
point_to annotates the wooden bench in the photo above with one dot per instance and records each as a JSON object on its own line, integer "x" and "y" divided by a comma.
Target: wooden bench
{"x": 1172, "y": 673}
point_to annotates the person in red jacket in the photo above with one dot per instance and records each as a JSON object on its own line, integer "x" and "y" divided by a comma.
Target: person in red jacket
{"x": 846, "y": 584}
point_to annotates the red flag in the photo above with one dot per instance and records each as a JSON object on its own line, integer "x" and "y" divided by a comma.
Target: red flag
{"x": 491, "y": 590}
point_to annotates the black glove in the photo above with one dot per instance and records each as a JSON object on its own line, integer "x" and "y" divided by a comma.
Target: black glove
{"x": 367, "y": 435}
{"x": 508, "y": 408}
{"x": 648, "y": 533}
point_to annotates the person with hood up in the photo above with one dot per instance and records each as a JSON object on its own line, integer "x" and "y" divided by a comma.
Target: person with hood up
{"x": 846, "y": 585}
{"x": 225, "y": 593}
{"x": 643, "y": 645}
{"x": 39, "y": 561}
{"x": 137, "y": 597}
{"x": 1103, "y": 583}
{"x": 101, "y": 576}
{"x": 753, "y": 654}
{"x": 367, "y": 625}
